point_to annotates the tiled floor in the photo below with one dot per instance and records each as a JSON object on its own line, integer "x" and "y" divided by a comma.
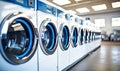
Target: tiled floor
{"x": 106, "y": 58}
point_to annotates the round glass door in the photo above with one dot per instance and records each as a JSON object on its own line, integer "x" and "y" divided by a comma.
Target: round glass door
{"x": 18, "y": 39}
{"x": 48, "y": 38}
{"x": 64, "y": 38}
{"x": 74, "y": 37}
{"x": 92, "y": 34}
{"x": 86, "y": 36}
{"x": 81, "y": 36}
{"x": 89, "y": 37}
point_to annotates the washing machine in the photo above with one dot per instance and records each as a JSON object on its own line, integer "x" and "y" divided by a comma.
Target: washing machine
{"x": 81, "y": 50}
{"x": 93, "y": 38}
{"x": 73, "y": 39}
{"x": 89, "y": 45}
{"x": 18, "y": 36}
{"x": 81, "y": 35}
{"x": 84, "y": 31}
{"x": 81, "y": 32}
{"x": 48, "y": 40}
{"x": 63, "y": 39}
{"x": 97, "y": 37}
{"x": 94, "y": 43}
{"x": 90, "y": 32}
{"x": 90, "y": 38}
{"x": 86, "y": 35}
{"x": 93, "y": 32}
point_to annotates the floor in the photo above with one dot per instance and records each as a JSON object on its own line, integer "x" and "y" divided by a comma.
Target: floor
{"x": 106, "y": 58}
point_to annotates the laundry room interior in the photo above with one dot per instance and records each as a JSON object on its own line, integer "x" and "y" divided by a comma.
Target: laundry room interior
{"x": 59, "y": 35}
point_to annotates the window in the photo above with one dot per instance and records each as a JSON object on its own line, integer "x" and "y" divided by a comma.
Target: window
{"x": 100, "y": 22}
{"x": 116, "y": 21}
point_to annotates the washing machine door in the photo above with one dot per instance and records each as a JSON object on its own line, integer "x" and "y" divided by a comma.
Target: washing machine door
{"x": 92, "y": 35}
{"x": 86, "y": 36}
{"x": 48, "y": 36}
{"x": 81, "y": 36}
{"x": 17, "y": 38}
{"x": 74, "y": 37}
{"x": 64, "y": 36}
{"x": 89, "y": 37}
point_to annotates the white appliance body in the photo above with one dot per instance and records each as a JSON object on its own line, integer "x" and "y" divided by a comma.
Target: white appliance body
{"x": 73, "y": 40}
{"x": 64, "y": 40}
{"x": 18, "y": 38}
{"x": 47, "y": 28}
{"x": 81, "y": 49}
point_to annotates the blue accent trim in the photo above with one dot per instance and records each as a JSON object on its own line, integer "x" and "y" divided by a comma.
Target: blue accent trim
{"x": 53, "y": 36}
{"x": 71, "y": 16}
{"x": 59, "y": 12}
{"x": 30, "y": 38}
{"x": 24, "y": 4}
{"x": 76, "y": 20}
{"x": 46, "y": 8}
{"x": 67, "y": 17}
{"x": 81, "y": 22}
{"x": 65, "y": 30}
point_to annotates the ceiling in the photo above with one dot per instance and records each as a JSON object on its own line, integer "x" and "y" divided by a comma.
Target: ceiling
{"x": 88, "y": 3}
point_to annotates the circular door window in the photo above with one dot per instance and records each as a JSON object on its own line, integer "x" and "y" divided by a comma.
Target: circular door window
{"x": 86, "y": 36}
{"x": 81, "y": 36}
{"x": 18, "y": 39}
{"x": 74, "y": 37}
{"x": 92, "y": 34}
{"x": 64, "y": 38}
{"x": 48, "y": 37}
{"x": 89, "y": 37}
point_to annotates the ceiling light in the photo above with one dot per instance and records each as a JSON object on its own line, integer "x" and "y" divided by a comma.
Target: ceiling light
{"x": 116, "y": 4}
{"x": 99, "y": 7}
{"x": 78, "y": 0}
{"x": 61, "y": 2}
{"x": 71, "y": 11}
{"x": 83, "y": 10}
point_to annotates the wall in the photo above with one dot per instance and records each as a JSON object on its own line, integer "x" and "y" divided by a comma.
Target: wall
{"x": 108, "y": 20}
